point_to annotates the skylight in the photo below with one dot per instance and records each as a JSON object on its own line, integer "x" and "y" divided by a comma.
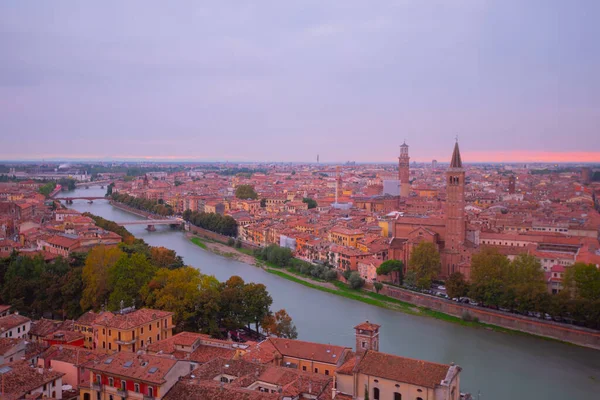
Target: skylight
{"x": 152, "y": 370}
{"x": 128, "y": 364}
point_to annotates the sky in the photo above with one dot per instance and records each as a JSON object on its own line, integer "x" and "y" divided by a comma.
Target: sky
{"x": 286, "y": 80}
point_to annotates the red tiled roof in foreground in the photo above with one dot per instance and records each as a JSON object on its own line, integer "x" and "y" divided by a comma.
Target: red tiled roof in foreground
{"x": 401, "y": 369}
{"x": 324, "y": 353}
{"x": 23, "y": 378}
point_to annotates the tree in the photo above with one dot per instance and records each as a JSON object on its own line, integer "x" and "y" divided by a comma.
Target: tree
{"x": 126, "y": 279}
{"x": 94, "y": 275}
{"x": 165, "y": 258}
{"x": 394, "y": 267}
{"x": 378, "y": 286}
{"x": 355, "y": 281}
{"x": 425, "y": 261}
{"x": 263, "y": 203}
{"x": 257, "y": 302}
{"x": 233, "y": 306}
{"x": 583, "y": 280}
{"x": 456, "y": 286}
{"x": 176, "y": 290}
{"x": 411, "y": 278}
{"x": 245, "y": 192}
{"x": 209, "y": 306}
{"x": 311, "y": 202}
{"x": 279, "y": 325}
{"x": 526, "y": 281}
{"x": 488, "y": 272}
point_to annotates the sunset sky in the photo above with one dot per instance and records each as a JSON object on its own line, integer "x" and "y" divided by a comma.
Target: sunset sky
{"x": 516, "y": 80}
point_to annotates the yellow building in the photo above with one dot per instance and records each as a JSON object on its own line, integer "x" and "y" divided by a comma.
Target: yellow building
{"x": 345, "y": 236}
{"x": 312, "y": 357}
{"x": 131, "y": 331}
{"x": 387, "y": 376}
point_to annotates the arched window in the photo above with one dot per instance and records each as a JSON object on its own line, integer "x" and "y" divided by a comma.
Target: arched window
{"x": 136, "y": 387}
{"x": 419, "y": 398}
{"x": 397, "y": 396}
{"x": 376, "y": 394}
{"x": 150, "y": 392}
{"x": 86, "y": 396}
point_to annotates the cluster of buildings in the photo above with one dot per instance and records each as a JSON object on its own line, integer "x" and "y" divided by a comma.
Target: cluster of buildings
{"x": 134, "y": 354}
{"x": 34, "y": 225}
{"x": 366, "y": 214}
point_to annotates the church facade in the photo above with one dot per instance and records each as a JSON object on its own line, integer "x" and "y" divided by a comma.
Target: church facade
{"x": 447, "y": 232}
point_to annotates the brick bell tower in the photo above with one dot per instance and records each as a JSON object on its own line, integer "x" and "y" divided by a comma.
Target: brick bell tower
{"x": 367, "y": 337}
{"x": 404, "y": 170}
{"x": 455, "y": 213}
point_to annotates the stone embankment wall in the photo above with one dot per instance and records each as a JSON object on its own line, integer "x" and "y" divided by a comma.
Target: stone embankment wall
{"x": 567, "y": 333}
{"x": 135, "y": 211}
{"x": 216, "y": 236}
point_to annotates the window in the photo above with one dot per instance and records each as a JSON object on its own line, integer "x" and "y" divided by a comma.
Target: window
{"x": 142, "y": 344}
{"x": 397, "y": 396}
{"x": 419, "y": 398}
{"x": 98, "y": 396}
{"x": 158, "y": 337}
{"x": 110, "y": 346}
{"x": 316, "y": 370}
{"x": 150, "y": 327}
{"x": 151, "y": 391}
{"x": 136, "y": 387}
{"x": 326, "y": 372}
{"x": 224, "y": 379}
{"x": 375, "y": 393}
{"x": 364, "y": 345}
{"x": 124, "y": 386}
{"x": 304, "y": 368}
{"x": 110, "y": 397}
{"x": 109, "y": 332}
{"x": 141, "y": 330}
{"x": 98, "y": 379}
{"x": 111, "y": 382}
{"x": 103, "y": 345}
{"x": 103, "y": 331}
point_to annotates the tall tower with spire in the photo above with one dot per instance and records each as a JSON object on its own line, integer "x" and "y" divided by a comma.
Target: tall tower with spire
{"x": 404, "y": 170}
{"x": 455, "y": 213}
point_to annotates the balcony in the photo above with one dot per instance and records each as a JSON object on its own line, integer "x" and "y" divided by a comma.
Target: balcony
{"x": 122, "y": 393}
{"x": 146, "y": 397}
{"x": 97, "y": 386}
{"x": 132, "y": 341}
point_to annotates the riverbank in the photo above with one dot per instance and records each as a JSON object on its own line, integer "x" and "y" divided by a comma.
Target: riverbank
{"x": 132, "y": 210}
{"x": 340, "y": 289}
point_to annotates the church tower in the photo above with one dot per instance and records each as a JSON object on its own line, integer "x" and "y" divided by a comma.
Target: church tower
{"x": 455, "y": 213}
{"x": 367, "y": 337}
{"x": 404, "y": 171}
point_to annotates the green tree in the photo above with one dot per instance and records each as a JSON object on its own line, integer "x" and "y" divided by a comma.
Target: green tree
{"x": 425, "y": 261}
{"x": 393, "y": 267}
{"x": 233, "y": 306}
{"x": 257, "y": 302}
{"x": 126, "y": 279}
{"x": 378, "y": 286}
{"x": 311, "y": 202}
{"x": 94, "y": 275}
{"x": 488, "y": 272}
{"x": 456, "y": 285}
{"x": 526, "y": 281}
{"x": 583, "y": 281}
{"x": 245, "y": 192}
{"x": 209, "y": 306}
{"x": 355, "y": 281}
{"x": 176, "y": 290}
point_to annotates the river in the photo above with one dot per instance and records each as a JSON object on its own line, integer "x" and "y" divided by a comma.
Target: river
{"x": 501, "y": 366}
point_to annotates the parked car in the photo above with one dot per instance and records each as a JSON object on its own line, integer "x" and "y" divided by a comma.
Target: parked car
{"x": 441, "y": 287}
{"x": 548, "y": 317}
{"x": 473, "y": 303}
{"x": 456, "y": 299}
{"x": 504, "y": 309}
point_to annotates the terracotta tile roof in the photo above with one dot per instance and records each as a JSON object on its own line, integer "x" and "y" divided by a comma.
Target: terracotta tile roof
{"x": 72, "y": 354}
{"x": 132, "y": 319}
{"x": 64, "y": 336}
{"x": 134, "y": 366}
{"x": 264, "y": 352}
{"x": 211, "y": 390}
{"x": 88, "y": 318}
{"x": 324, "y": 353}
{"x": 367, "y": 326}
{"x": 43, "y": 327}
{"x": 11, "y": 321}
{"x": 23, "y": 378}
{"x": 205, "y": 353}
{"x": 8, "y": 343}
{"x": 347, "y": 368}
{"x": 401, "y": 369}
